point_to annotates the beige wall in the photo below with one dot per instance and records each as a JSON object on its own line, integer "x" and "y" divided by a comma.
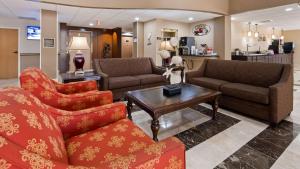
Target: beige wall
{"x": 29, "y": 60}
{"x": 240, "y": 38}
{"x": 294, "y": 36}
{"x": 206, "y": 39}
{"x": 154, "y": 27}
{"x": 216, "y": 6}
{"x": 138, "y": 35}
{"x": 26, "y": 46}
{"x": 49, "y": 29}
{"x": 219, "y": 38}
{"x": 222, "y": 37}
{"x": 150, "y": 27}
{"x": 238, "y": 6}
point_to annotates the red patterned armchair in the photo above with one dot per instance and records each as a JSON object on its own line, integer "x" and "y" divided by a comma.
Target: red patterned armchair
{"x": 30, "y": 137}
{"x": 71, "y": 96}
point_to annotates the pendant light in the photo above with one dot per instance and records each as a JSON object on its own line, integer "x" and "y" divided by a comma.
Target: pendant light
{"x": 273, "y": 34}
{"x": 249, "y": 30}
{"x": 282, "y": 37}
{"x": 256, "y": 34}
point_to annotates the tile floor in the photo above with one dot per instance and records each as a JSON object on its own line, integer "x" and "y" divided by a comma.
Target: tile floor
{"x": 232, "y": 141}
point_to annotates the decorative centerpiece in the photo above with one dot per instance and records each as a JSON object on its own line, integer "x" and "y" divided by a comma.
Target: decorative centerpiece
{"x": 174, "y": 72}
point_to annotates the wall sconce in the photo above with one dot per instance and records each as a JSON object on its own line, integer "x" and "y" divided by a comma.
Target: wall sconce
{"x": 273, "y": 34}
{"x": 256, "y": 34}
{"x": 282, "y": 37}
{"x": 249, "y": 30}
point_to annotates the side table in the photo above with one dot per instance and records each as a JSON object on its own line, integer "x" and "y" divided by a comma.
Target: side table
{"x": 71, "y": 77}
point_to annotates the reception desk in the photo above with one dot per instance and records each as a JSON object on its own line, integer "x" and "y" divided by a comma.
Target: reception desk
{"x": 193, "y": 62}
{"x": 265, "y": 58}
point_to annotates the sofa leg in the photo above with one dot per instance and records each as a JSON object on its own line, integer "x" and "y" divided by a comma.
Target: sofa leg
{"x": 274, "y": 125}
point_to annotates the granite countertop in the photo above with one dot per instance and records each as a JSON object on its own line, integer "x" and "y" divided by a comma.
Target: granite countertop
{"x": 200, "y": 55}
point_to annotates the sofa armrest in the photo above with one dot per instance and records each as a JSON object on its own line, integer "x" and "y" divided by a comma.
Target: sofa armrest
{"x": 104, "y": 81}
{"x": 76, "y": 87}
{"x": 197, "y": 73}
{"x": 193, "y": 74}
{"x": 281, "y": 96}
{"x": 73, "y": 102}
{"x": 169, "y": 153}
{"x": 158, "y": 70}
{"x": 14, "y": 156}
{"x": 77, "y": 122}
{"x": 104, "y": 77}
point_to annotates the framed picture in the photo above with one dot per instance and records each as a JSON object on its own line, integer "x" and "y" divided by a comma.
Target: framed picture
{"x": 49, "y": 43}
{"x": 201, "y": 30}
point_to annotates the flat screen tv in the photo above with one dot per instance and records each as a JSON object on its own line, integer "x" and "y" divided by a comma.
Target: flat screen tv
{"x": 33, "y": 32}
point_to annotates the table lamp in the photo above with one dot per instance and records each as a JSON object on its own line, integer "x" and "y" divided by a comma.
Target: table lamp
{"x": 79, "y": 43}
{"x": 165, "y": 48}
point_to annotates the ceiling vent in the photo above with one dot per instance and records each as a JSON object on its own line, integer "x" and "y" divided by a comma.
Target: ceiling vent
{"x": 266, "y": 21}
{"x": 27, "y": 18}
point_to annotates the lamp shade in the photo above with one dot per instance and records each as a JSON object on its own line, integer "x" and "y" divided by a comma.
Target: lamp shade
{"x": 79, "y": 43}
{"x": 165, "y": 45}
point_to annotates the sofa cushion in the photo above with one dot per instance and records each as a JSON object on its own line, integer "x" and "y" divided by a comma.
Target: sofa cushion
{"x": 220, "y": 69}
{"x": 258, "y": 74}
{"x": 206, "y": 82}
{"x": 117, "y": 140}
{"x": 121, "y": 82}
{"x": 246, "y": 92}
{"x": 26, "y": 123}
{"x": 117, "y": 67}
{"x": 150, "y": 78}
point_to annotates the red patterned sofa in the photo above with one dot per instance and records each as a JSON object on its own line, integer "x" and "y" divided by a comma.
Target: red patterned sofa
{"x": 31, "y": 138}
{"x": 71, "y": 96}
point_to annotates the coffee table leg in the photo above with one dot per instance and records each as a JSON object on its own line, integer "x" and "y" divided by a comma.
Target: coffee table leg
{"x": 155, "y": 128}
{"x": 129, "y": 108}
{"x": 215, "y": 106}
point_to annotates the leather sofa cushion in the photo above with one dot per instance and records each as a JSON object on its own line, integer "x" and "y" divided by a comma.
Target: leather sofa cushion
{"x": 117, "y": 67}
{"x": 122, "y": 82}
{"x": 210, "y": 83}
{"x": 246, "y": 92}
{"x": 150, "y": 78}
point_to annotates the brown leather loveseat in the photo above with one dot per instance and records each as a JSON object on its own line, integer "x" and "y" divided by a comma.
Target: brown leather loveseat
{"x": 261, "y": 90}
{"x": 124, "y": 74}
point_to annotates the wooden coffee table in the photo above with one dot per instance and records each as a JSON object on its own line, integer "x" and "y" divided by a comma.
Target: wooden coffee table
{"x": 156, "y": 104}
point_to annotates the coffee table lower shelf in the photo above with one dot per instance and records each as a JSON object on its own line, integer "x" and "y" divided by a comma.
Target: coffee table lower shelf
{"x": 155, "y": 104}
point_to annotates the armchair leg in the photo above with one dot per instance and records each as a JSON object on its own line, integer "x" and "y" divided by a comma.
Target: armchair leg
{"x": 129, "y": 108}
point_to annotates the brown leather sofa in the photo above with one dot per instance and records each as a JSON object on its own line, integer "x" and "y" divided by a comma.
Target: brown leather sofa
{"x": 121, "y": 75}
{"x": 261, "y": 90}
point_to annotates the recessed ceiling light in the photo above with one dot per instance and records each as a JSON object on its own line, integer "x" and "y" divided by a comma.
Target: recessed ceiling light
{"x": 233, "y": 18}
{"x": 289, "y": 9}
{"x": 137, "y": 18}
{"x": 91, "y": 24}
{"x": 191, "y": 18}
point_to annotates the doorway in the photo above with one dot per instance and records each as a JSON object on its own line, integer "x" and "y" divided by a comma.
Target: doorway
{"x": 127, "y": 45}
{"x": 9, "y": 46}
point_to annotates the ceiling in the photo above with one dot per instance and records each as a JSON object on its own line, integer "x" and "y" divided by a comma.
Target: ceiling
{"x": 279, "y": 17}
{"x": 109, "y": 18}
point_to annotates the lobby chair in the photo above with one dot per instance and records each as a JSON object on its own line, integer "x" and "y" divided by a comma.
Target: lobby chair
{"x": 30, "y": 137}
{"x": 72, "y": 96}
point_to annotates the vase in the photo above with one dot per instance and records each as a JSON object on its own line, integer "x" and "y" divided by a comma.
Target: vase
{"x": 79, "y": 62}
